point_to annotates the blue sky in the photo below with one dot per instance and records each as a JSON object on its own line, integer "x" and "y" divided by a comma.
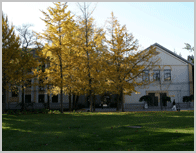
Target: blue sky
{"x": 171, "y": 24}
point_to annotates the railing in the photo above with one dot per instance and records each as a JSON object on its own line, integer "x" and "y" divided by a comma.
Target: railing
{"x": 127, "y": 107}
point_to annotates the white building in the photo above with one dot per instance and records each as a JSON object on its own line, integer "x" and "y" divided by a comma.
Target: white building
{"x": 174, "y": 78}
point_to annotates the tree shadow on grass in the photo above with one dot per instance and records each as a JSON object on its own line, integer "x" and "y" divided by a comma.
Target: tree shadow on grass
{"x": 94, "y": 133}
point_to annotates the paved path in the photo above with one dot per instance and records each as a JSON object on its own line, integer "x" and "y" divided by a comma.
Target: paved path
{"x": 132, "y": 110}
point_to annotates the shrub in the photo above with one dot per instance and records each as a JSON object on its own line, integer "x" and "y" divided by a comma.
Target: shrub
{"x": 36, "y": 111}
{"x": 145, "y": 98}
{"x": 186, "y": 99}
{"x": 11, "y": 112}
{"x": 50, "y": 112}
{"x": 56, "y": 112}
{"x": 24, "y": 112}
{"x": 97, "y": 105}
{"x": 113, "y": 105}
{"x": 165, "y": 99}
{"x": 80, "y": 106}
{"x": 44, "y": 111}
{"x": 191, "y": 97}
{"x": 18, "y": 112}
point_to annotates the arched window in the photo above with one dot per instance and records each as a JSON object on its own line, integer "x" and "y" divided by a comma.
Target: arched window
{"x": 167, "y": 75}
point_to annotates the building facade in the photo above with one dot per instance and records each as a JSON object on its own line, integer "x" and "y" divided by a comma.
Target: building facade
{"x": 173, "y": 78}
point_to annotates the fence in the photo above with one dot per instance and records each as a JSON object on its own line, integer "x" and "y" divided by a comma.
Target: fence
{"x": 40, "y": 98}
{"x": 128, "y": 107}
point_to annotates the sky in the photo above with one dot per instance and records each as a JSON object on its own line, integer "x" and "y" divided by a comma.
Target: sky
{"x": 171, "y": 24}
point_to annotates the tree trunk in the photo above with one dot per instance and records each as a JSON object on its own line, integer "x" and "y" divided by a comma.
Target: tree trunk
{"x": 122, "y": 101}
{"x": 61, "y": 100}
{"x": 4, "y": 103}
{"x": 23, "y": 103}
{"x": 4, "y": 100}
{"x": 49, "y": 101}
{"x": 94, "y": 98}
{"x": 74, "y": 102}
{"x": 70, "y": 102}
{"x": 91, "y": 102}
{"x": 117, "y": 108}
{"x": 61, "y": 87}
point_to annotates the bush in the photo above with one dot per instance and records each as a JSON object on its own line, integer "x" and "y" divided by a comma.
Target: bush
{"x": 98, "y": 105}
{"x": 18, "y": 112}
{"x": 56, "y": 112}
{"x": 165, "y": 99}
{"x": 113, "y": 105}
{"x": 80, "y": 106}
{"x": 44, "y": 111}
{"x": 191, "y": 97}
{"x": 145, "y": 98}
{"x": 36, "y": 111}
{"x": 50, "y": 112}
{"x": 24, "y": 112}
{"x": 11, "y": 112}
{"x": 186, "y": 99}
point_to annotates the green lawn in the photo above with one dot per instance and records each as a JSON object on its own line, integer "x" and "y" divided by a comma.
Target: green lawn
{"x": 162, "y": 131}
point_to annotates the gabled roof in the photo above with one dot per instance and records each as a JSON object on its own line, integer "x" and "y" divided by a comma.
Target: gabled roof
{"x": 174, "y": 54}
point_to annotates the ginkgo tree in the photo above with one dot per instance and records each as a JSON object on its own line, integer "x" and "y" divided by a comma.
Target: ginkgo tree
{"x": 125, "y": 61}
{"x": 10, "y": 53}
{"x": 24, "y": 71}
{"x": 17, "y": 62}
{"x": 91, "y": 48}
{"x": 59, "y": 34}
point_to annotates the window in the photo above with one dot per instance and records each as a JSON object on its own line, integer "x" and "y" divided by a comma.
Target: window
{"x": 156, "y": 75}
{"x": 41, "y": 98}
{"x": 15, "y": 92}
{"x": 28, "y": 83}
{"x": 145, "y": 75}
{"x": 41, "y": 87}
{"x": 27, "y": 98}
{"x": 55, "y": 99}
{"x": 167, "y": 75}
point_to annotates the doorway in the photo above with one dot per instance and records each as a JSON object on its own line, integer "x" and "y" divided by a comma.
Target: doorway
{"x": 154, "y": 101}
{"x": 163, "y": 103}
{"x": 27, "y": 98}
{"x": 41, "y": 98}
{"x": 55, "y": 99}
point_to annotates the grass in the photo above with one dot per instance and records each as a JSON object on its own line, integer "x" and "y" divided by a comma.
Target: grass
{"x": 162, "y": 131}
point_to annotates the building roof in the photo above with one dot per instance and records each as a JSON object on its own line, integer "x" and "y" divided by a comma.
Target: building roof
{"x": 174, "y": 54}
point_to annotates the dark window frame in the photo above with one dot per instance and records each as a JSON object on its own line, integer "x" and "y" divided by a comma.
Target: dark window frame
{"x": 156, "y": 74}
{"x": 14, "y": 94}
{"x": 28, "y": 83}
{"x": 39, "y": 97}
{"x": 53, "y": 99}
{"x": 26, "y": 99}
{"x": 165, "y": 74}
{"x": 41, "y": 88}
{"x": 145, "y": 75}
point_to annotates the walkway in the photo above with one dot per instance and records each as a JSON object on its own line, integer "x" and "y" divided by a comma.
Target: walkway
{"x": 132, "y": 110}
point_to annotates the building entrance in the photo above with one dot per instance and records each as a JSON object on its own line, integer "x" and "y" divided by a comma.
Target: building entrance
{"x": 154, "y": 101}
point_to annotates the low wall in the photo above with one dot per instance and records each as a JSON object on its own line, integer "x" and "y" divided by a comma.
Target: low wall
{"x": 66, "y": 106}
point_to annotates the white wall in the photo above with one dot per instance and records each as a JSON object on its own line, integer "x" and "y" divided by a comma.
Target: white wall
{"x": 177, "y": 87}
